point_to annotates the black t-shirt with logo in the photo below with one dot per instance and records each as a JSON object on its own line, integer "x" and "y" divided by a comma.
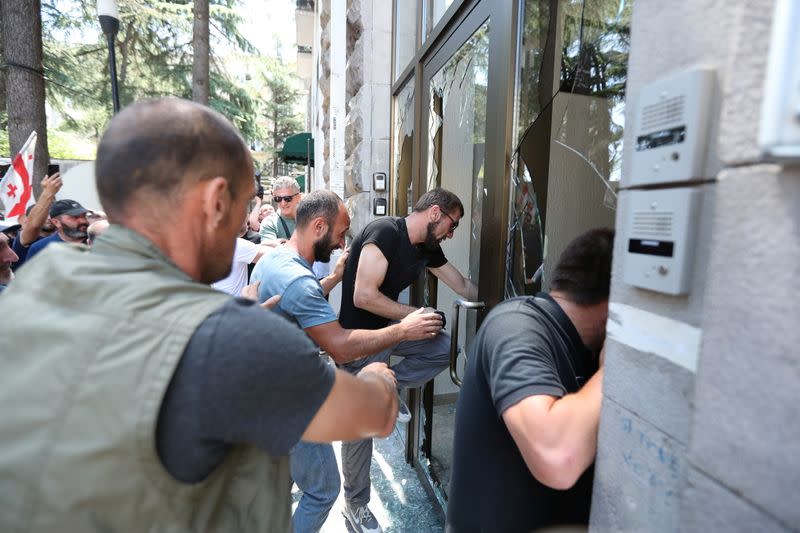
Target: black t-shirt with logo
{"x": 406, "y": 261}
{"x": 525, "y": 347}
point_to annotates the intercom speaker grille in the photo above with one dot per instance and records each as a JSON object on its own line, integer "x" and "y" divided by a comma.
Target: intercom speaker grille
{"x": 663, "y": 114}
{"x": 653, "y": 224}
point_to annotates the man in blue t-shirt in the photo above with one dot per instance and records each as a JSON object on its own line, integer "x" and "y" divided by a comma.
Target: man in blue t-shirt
{"x": 322, "y": 222}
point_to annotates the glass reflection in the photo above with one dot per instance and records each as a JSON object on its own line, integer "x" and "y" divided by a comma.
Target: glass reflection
{"x": 570, "y": 120}
{"x": 456, "y": 137}
{"x": 405, "y": 34}
{"x": 402, "y": 143}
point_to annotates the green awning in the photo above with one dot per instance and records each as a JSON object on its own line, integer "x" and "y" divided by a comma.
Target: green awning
{"x": 297, "y": 148}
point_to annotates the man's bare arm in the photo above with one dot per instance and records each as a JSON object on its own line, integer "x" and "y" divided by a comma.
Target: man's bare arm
{"x": 252, "y": 218}
{"x": 372, "y": 267}
{"x": 356, "y": 408}
{"x": 557, "y": 437}
{"x": 38, "y": 215}
{"x": 456, "y": 281}
{"x": 331, "y": 280}
{"x": 345, "y": 345}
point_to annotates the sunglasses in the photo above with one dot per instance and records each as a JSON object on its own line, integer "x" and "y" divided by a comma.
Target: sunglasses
{"x": 279, "y": 199}
{"x": 453, "y": 223}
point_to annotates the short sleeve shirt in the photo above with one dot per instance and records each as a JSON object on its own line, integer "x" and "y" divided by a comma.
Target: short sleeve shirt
{"x": 246, "y": 376}
{"x": 525, "y": 347}
{"x": 41, "y": 244}
{"x": 406, "y": 262}
{"x": 272, "y": 227}
{"x": 303, "y": 301}
{"x": 243, "y": 254}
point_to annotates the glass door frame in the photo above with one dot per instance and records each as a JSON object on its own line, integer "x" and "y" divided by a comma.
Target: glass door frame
{"x": 461, "y": 20}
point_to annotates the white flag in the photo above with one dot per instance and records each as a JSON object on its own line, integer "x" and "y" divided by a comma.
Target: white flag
{"x": 16, "y": 188}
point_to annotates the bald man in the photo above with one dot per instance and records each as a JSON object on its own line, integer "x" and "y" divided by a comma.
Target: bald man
{"x": 143, "y": 398}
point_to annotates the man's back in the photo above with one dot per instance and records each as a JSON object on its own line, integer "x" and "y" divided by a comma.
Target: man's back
{"x": 522, "y": 348}
{"x": 101, "y": 351}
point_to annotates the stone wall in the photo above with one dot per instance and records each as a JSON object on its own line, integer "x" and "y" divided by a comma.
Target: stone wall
{"x": 368, "y": 95}
{"x": 367, "y": 133}
{"x": 710, "y": 447}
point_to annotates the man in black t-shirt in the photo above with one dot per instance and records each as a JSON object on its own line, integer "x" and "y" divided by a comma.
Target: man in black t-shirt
{"x": 385, "y": 258}
{"x": 529, "y": 407}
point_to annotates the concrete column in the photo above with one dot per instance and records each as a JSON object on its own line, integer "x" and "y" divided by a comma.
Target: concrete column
{"x": 707, "y": 441}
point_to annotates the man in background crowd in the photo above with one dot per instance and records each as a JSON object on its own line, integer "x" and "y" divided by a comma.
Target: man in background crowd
{"x": 245, "y": 254}
{"x": 7, "y": 258}
{"x": 277, "y": 228}
{"x": 69, "y": 219}
{"x": 95, "y": 229}
{"x": 529, "y": 406}
{"x": 36, "y": 223}
{"x": 265, "y": 211}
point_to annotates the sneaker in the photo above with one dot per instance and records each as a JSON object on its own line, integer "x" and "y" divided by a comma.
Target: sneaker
{"x": 403, "y": 414}
{"x": 361, "y": 519}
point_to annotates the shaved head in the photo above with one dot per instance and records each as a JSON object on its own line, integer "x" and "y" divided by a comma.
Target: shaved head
{"x": 154, "y": 149}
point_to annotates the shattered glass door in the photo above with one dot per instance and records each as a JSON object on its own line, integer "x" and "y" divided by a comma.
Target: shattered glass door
{"x": 454, "y": 160}
{"x": 570, "y": 101}
{"x": 403, "y": 145}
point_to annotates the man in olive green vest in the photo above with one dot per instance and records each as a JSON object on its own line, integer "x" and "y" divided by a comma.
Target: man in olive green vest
{"x": 133, "y": 396}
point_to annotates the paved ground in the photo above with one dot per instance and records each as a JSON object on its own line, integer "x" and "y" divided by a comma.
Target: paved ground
{"x": 399, "y": 501}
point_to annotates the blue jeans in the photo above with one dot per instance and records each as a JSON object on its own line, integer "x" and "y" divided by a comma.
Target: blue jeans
{"x": 315, "y": 471}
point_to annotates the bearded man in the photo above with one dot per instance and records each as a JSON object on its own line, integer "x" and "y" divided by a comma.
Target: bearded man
{"x": 69, "y": 219}
{"x": 322, "y": 222}
{"x": 385, "y": 258}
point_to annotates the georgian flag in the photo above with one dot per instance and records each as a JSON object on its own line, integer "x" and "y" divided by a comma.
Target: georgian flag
{"x": 16, "y": 189}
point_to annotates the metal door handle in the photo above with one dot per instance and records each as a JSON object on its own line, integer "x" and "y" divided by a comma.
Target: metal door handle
{"x": 454, "y": 335}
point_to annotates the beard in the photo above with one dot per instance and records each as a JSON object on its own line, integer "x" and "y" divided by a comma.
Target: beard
{"x": 76, "y": 233}
{"x": 48, "y": 227}
{"x": 431, "y": 242}
{"x": 324, "y": 247}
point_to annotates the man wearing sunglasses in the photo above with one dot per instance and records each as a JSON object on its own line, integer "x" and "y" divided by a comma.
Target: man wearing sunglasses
{"x": 278, "y": 228}
{"x": 385, "y": 258}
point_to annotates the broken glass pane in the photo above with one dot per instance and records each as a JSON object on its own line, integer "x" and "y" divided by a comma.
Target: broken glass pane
{"x": 570, "y": 121}
{"x": 403, "y": 142}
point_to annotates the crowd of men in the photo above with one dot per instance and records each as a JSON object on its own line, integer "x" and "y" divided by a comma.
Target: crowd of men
{"x": 139, "y": 391}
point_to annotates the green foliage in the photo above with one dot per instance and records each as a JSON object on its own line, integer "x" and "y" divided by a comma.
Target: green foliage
{"x": 154, "y": 58}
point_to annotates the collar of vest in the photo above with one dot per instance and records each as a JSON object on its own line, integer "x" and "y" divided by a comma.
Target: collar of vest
{"x": 119, "y": 240}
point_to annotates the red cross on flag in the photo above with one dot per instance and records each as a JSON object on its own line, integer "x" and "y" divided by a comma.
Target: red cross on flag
{"x": 16, "y": 189}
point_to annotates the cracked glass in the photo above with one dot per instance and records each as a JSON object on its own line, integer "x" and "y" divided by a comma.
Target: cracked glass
{"x": 456, "y": 146}
{"x": 403, "y": 144}
{"x": 569, "y": 122}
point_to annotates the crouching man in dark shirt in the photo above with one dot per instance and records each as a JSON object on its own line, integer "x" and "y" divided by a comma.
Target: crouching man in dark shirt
{"x": 529, "y": 408}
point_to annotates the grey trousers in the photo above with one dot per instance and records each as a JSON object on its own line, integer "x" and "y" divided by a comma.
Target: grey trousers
{"x": 422, "y": 361}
